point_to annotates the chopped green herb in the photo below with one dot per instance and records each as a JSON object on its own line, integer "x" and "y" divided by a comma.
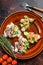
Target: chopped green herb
{"x": 33, "y": 38}
{"x": 26, "y": 42}
{"x": 5, "y": 43}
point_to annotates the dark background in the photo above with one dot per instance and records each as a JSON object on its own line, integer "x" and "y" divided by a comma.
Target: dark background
{"x": 10, "y": 6}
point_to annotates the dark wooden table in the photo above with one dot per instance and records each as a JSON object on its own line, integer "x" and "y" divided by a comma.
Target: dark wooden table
{"x": 10, "y": 6}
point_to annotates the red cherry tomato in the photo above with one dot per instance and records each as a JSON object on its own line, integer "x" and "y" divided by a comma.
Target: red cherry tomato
{"x": 1, "y": 60}
{"x": 5, "y": 57}
{"x": 9, "y": 64}
{"x": 9, "y": 60}
{"x": 14, "y": 62}
{"x": 4, "y": 63}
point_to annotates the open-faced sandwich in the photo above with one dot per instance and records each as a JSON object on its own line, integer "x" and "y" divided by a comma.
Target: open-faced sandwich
{"x": 23, "y": 43}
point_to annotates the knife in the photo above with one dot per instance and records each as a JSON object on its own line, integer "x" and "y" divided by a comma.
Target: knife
{"x": 25, "y": 5}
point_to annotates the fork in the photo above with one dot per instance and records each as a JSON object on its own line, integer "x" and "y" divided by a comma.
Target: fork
{"x": 25, "y": 5}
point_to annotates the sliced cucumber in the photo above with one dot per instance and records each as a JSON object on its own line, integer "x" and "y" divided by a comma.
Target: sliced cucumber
{"x": 21, "y": 25}
{"x": 24, "y": 51}
{"x": 26, "y": 34}
{"x": 28, "y": 46}
{"x": 31, "y": 19}
{"x": 26, "y": 17}
{"x": 23, "y": 29}
{"x": 25, "y": 48}
{"x": 22, "y": 20}
{"x": 15, "y": 28}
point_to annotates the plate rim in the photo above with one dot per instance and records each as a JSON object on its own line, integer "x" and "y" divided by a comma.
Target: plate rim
{"x": 15, "y": 13}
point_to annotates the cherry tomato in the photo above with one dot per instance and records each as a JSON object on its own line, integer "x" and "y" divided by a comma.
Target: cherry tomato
{"x": 9, "y": 60}
{"x": 4, "y": 63}
{"x": 5, "y": 57}
{"x": 1, "y": 60}
{"x": 14, "y": 62}
{"x": 9, "y": 64}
